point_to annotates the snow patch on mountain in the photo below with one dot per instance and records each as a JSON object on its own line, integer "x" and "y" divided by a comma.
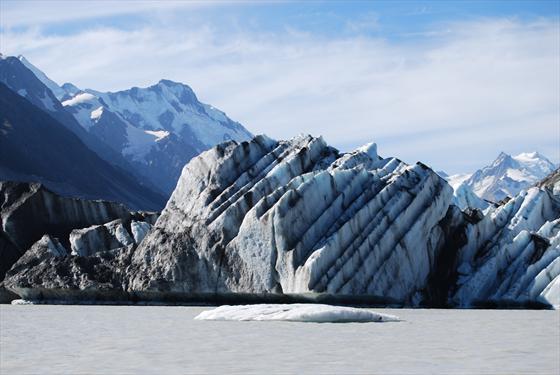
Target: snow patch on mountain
{"x": 140, "y": 142}
{"x": 82, "y": 107}
{"x": 96, "y": 114}
{"x": 159, "y": 134}
{"x": 80, "y": 98}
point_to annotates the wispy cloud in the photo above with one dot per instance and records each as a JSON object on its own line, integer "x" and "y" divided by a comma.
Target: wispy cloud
{"x": 452, "y": 99}
{"x": 40, "y": 13}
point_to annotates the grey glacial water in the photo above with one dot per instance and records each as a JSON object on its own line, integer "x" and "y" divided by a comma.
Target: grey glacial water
{"x": 44, "y": 339}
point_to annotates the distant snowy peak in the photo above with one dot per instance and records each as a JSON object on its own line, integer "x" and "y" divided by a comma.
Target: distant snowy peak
{"x": 174, "y": 107}
{"x": 508, "y": 175}
{"x": 535, "y": 163}
{"x": 158, "y": 128}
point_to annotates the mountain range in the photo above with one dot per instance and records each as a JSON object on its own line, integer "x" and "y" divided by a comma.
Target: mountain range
{"x": 145, "y": 135}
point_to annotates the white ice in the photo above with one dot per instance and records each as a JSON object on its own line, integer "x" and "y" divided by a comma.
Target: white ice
{"x": 295, "y": 313}
{"x": 80, "y": 98}
{"x": 159, "y": 134}
{"x": 96, "y": 114}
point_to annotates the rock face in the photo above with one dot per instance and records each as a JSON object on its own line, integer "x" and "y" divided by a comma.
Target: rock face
{"x": 297, "y": 220}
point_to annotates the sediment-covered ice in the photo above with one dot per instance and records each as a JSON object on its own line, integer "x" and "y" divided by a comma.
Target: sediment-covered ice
{"x": 294, "y": 217}
{"x": 296, "y": 220}
{"x": 295, "y": 313}
{"x": 513, "y": 253}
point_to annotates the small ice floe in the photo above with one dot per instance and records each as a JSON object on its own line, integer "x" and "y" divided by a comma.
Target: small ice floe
{"x": 22, "y": 302}
{"x": 295, "y": 313}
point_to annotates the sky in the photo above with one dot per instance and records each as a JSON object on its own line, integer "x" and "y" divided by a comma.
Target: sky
{"x": 450, "y": 84}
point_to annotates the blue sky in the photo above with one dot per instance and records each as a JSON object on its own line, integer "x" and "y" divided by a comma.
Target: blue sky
{"x": 448, "y": 83}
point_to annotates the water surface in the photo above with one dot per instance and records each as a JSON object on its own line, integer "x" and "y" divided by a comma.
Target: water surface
{"x": 163, "y": 339}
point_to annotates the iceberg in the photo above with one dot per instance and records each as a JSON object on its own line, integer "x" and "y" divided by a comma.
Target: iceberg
{"x": 297, "y": 312}
{"x": 297, "y": 221}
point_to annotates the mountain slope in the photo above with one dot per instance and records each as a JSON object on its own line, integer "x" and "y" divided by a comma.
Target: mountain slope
{"x": 57, "y": 91}
{"x": 508, "y": 175}
{"x": 157, "y": 129}
{"x": 35, "y": 147}
{"x": 157, "y": 155}
{"x": 23, "y": 81}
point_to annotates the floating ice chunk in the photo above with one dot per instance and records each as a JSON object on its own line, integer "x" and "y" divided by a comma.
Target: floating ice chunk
{"x": 295, "y": 313}
{"x": 22, "y": 302}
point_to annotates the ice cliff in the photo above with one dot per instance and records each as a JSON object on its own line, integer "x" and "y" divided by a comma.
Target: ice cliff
{"x": 271, "y": 219}
{"x": 295, "y": 217}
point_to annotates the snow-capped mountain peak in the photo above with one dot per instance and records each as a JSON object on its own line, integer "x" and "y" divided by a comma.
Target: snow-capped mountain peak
{"x": 508, "y": 175}
{"x": 535, "y": 162}
{"x": 157, "y": 129}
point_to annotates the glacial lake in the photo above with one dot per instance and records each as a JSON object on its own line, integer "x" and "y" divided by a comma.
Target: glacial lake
{"x": 46, "y": 339}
